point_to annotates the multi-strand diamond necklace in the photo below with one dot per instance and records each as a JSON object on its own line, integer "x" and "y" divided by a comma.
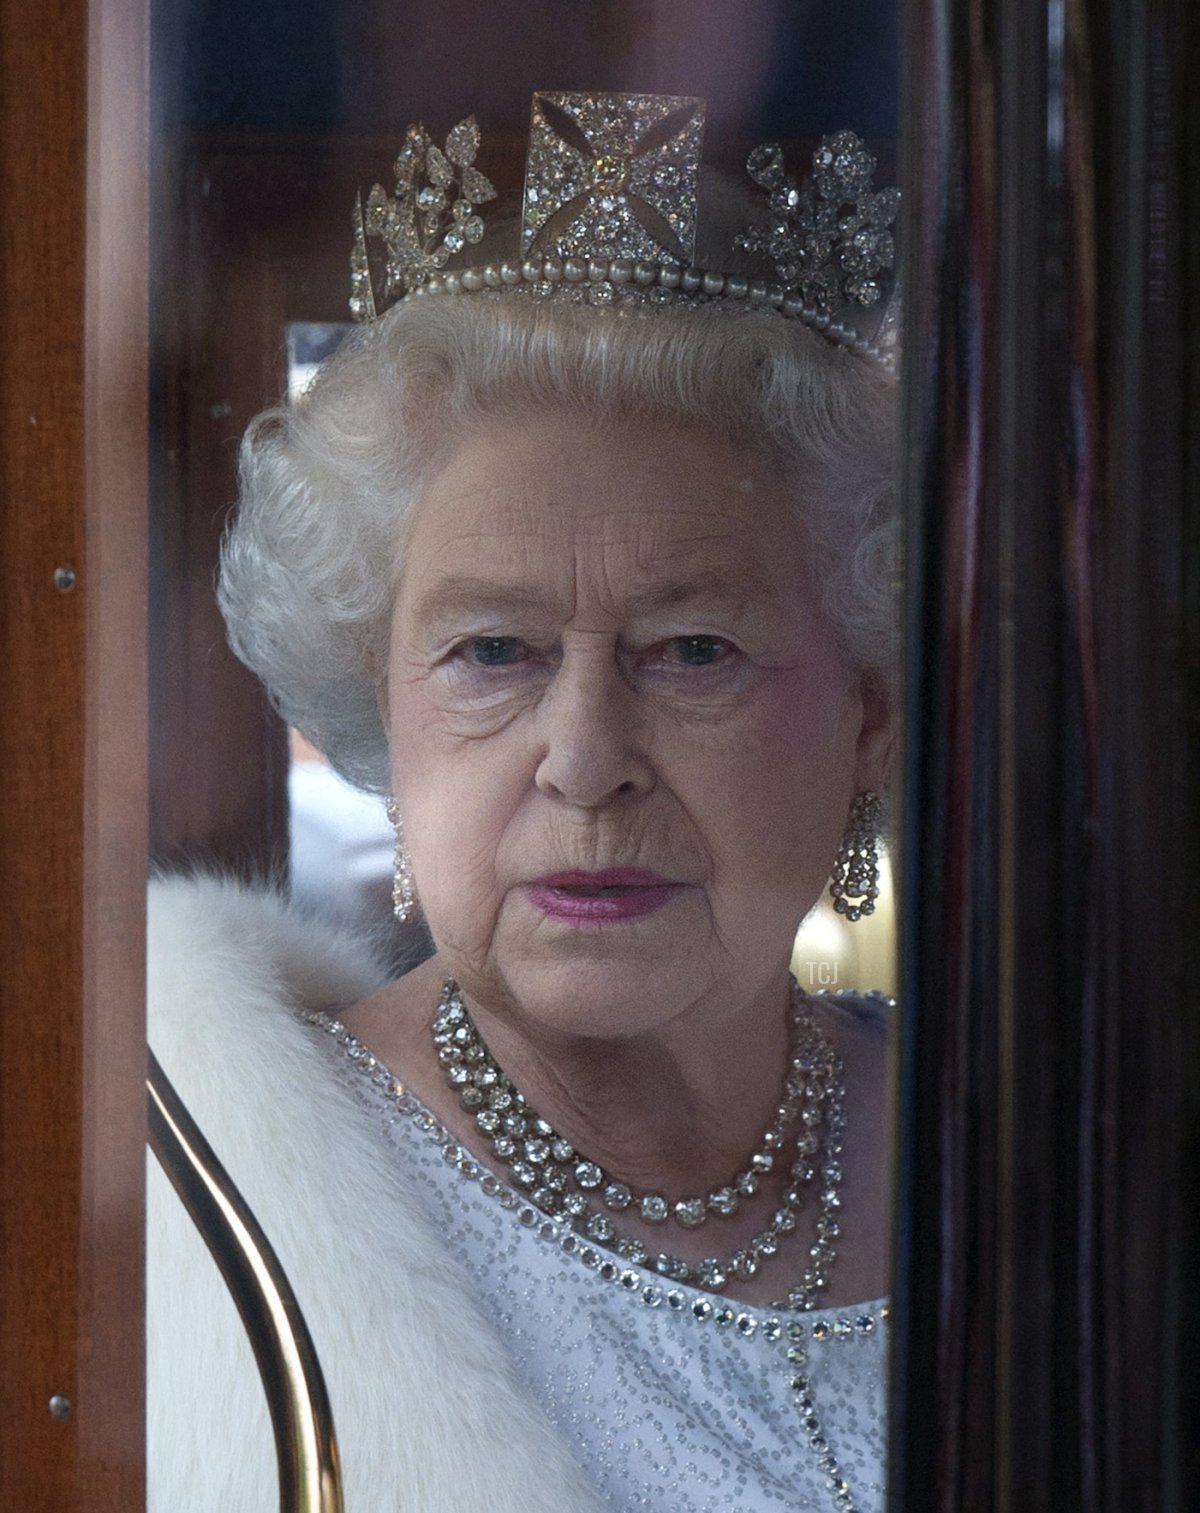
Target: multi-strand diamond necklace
{"x": 578, "y": 1192}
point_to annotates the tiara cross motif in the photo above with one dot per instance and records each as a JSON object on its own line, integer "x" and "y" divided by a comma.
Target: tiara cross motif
{"x": 612, "y": 176}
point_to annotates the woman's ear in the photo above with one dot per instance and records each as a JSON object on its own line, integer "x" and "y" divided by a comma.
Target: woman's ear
{"x": 876, "y": 736}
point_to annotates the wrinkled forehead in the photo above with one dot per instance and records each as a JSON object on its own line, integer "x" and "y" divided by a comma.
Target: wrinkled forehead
{"x": 662, "y": 510}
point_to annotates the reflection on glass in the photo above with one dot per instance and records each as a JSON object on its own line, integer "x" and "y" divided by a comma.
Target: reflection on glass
{"x": 309, "y": 343}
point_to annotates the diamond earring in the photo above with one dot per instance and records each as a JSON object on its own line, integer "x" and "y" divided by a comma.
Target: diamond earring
{"x": 404, "y": 893}
{"x": 855, "y": 885}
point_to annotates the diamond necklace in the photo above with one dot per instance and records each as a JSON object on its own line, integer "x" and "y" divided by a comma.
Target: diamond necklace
{"x": 566, "y": 1184}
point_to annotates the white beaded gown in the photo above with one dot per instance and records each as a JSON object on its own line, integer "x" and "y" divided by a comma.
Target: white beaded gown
{"x": 671, "y": 1399}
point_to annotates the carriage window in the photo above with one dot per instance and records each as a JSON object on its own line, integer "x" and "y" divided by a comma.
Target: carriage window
{"x": 601, "y": 303}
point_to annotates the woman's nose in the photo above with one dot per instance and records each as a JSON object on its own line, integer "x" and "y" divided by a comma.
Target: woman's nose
{"x": 591, "y": 732}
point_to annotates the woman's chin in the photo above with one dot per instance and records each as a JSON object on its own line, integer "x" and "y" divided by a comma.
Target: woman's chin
{"x": 605, "y": 991}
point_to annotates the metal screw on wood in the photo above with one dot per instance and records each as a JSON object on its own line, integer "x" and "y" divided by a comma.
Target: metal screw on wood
{"x": 60, "y": 1406}
{"x": 64, "y": 579}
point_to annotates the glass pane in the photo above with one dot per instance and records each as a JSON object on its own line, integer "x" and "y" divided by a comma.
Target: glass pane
{"x": 615, "y": 632}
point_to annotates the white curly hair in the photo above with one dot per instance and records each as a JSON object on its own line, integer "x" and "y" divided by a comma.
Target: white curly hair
{"x": 310, "y": 562}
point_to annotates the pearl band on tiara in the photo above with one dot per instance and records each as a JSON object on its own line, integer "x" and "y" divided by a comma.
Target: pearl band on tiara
{"x": 609, "y": 219}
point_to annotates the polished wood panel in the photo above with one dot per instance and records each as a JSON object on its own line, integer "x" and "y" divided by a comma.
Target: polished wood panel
{"x": 72, "y": 829}
{"x": 114, "y": 837}
{"x": 41, "y": 750}
{"x": 1046, "y": 1344}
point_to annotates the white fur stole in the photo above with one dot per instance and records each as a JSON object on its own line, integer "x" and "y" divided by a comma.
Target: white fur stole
{"x": 429, "y": 1415}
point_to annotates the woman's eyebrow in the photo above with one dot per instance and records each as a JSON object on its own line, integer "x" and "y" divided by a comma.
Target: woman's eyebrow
{"x": 451, "y": 598}
{"x": 731, "y": 585}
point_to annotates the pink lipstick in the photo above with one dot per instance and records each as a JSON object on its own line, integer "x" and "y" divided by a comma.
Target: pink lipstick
{"x": 611, "y": 895}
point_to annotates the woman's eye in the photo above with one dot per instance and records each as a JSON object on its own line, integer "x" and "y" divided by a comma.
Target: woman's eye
{"x": 494, "y": 651}
{"x": 698, "y": 651}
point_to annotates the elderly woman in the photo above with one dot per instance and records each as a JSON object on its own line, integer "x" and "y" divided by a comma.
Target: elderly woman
{"x": 589, "y": 1210}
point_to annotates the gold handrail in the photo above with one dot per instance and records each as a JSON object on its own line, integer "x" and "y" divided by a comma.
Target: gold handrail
{"x": 305, "y": 1443}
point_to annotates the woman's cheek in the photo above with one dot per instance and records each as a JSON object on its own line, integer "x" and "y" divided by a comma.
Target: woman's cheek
{"x": 455, "y": 838}
{"x": 785, "y": 768}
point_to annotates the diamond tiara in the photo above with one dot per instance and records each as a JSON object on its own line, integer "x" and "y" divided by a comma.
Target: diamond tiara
{"x": 609, "y": 217}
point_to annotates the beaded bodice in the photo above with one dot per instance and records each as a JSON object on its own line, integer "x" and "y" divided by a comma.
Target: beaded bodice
{"x": 671, "y": 1399}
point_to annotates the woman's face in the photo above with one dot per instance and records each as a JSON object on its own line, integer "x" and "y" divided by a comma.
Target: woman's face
{"x": 624, "y": 743}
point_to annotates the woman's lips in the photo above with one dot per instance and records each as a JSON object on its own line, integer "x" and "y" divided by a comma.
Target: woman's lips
{"x": 609, "y": 896}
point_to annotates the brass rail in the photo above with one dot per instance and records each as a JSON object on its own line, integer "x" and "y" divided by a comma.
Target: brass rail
{"x": 305, "y": 1443}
